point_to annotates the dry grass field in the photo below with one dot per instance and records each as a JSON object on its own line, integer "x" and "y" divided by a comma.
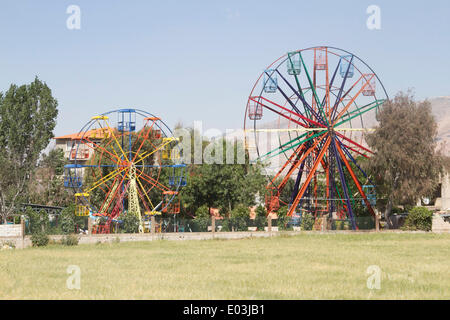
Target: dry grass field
{"x": 306, "y": 266}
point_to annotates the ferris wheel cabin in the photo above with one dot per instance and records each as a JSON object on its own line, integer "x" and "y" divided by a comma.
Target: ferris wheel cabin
{"x": 270, "y": 81}
{"x": 293, "y": 63}
{"x": 126, "y": 120}
{"x": 255, "y": 111}
{"x": 346, "y": 69}
{"x": 369, "y": 89}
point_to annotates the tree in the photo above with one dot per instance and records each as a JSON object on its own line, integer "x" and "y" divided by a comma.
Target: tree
{"x": 27, "y": 119}
{"x": 405, "y": 165}
{"x": 48, "y": 186}
{"x": 68, "y": 219}
{"x": 223, "y": 185}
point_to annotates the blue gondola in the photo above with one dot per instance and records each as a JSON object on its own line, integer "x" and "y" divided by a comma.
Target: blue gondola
{"x": 177, "y": 180}
{"x": 270, "y": 81}
{"x": 72, "y": 178}
{"x": 293, "y": 63}
{"x": 73, "y": 182}
{"x": 126, "y": 121}
{"x": 345, "y": 64}
{"x": 371, "y": 195}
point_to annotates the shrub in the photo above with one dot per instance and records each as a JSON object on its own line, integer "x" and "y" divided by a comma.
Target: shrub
{"x": 68, "y": 219}
{"x": 307, "y": 222}
{"x": 130, "y": 223}
{"x": 38, "y": 220}
{"x": 39, "y": 239}
{"x": 234, "y": 224}
{"x": 419, "y": 218}
{"x": 338, "y": 224}
{"x": 260, "y": 222}
{"x": 200, "y": 224}
{"x": 261, "y": 211}
{"x": 239, "y": 219}
{"x": 282, "y": 217}
{"x": 70, "y": 240}
{"x": 202, "y": 212}
{"x": 7, "y": 245}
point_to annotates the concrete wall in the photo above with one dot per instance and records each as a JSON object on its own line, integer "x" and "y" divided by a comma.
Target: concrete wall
{"x": 439, "y": 224}
{"x": 20, "y": 242}
{"x": 445, "y": 193}
{"x": 25, "y": 242}
{"x": 10, "y": 230}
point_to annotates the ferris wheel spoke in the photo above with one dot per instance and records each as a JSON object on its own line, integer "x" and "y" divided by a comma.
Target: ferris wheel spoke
{"x": 111, "y": 131}
{"x": 354, "y": 150}
{"x": 353, "y": 142}
{"x": 108, "y": 177}
{"x": 119, "y": 202}
{"x": 355, "y": 180}
{"x": 300, "y": 96}
{"x": 287, "y": 110}
{"x": 311, "y": 84}
{"x": 297, "y": 181}
{"x": 152, "y": 181}
{"x": 343, "y": 111}
{"x": 287, "y": 98}
{"x": 143, "y": 140}
{"x": 295, "y": 154}
{"x": 310, "y": 176}
{"x": 304, "y": 153}
{"x": 353, "y": 160}
{"x": 292, "y": 104}
{"x": 161, "y": 166}
{"x": 283, "y": 145}
{"x": 146, "y": 195}
{"x": 360, "y": 111}
{"x": 306, "y": 106}
{"x": 329, "y": 86}
{"x": 345, "y": 189}
{"x": 341, "y": 89}
{"x": 97, "y": 146}
{"x": 112, "y": 193}
{"x": 147, "y": 154}
{"x": 98, "y": 166}
{"x": 111, "y": 134}
{"x": 292, "y": 146}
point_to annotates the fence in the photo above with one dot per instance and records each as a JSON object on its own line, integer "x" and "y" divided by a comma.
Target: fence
{"x": 173, "y": 223}
{"x": 258, "y": 224}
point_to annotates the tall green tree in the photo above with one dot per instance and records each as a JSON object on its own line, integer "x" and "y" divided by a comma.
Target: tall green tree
{"x": 405, "y": 165}
{"x": 223, "y": 185}
{"x": 48, "y": 181}
{"x": 27, "y": 119}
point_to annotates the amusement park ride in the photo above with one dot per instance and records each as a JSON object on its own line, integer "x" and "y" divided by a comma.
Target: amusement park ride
{"x": 126, "y": 161}
{"x": 319, "y": 101}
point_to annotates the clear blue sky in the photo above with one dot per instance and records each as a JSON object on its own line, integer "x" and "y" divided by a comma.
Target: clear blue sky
{"x": 197, "y": 60}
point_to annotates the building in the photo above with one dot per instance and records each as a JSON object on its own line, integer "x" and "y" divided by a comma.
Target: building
{"x": 78, "y": 148}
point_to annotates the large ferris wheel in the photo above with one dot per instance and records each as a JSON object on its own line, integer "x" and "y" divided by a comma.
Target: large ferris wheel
{"x": 125, "y": 161}
{"x": 316, "y": 104}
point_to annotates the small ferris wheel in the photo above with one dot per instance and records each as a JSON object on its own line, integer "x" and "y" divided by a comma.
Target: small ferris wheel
{"x": 125, "y": 162}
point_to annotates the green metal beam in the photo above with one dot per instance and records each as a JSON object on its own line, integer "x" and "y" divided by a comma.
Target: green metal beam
{"x": 319, "y": 105}
{"x": 378, "y": 103}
